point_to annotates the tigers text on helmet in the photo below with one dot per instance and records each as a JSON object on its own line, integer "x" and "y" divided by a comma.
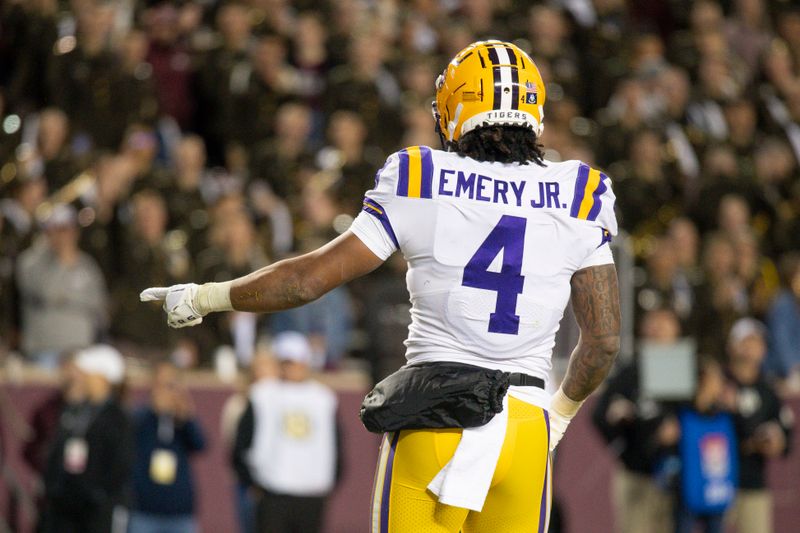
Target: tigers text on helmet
{"x": 488, "y": 83}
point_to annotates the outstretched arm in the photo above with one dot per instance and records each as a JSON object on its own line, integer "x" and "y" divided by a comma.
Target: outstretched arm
{"x": 297, "y": 281}
{"x": 595, "y": 301}
{"x": 283, "y": 285}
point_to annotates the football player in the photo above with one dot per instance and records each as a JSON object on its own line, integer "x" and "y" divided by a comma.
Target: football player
{"x": 497, "y": 241}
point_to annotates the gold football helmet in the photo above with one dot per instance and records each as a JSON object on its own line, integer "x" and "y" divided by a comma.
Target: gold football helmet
{"x": 488, "y": 83}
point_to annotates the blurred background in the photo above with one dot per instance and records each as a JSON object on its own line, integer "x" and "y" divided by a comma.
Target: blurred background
{"x": 152, "y": 142}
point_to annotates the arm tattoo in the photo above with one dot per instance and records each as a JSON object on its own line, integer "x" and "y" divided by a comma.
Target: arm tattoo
{"x": 273, "y": 288}
{"x": 595, "y": 300}
{"x": 299, "y": 280}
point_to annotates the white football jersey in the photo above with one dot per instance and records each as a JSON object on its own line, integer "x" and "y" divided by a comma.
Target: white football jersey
{"x": 491, "y": 249}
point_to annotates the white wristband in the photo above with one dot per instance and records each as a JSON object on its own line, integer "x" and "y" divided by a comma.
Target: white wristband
{"x": 212, "y": 297}
{"x": 564, "y": 405}
{"x": 562, "y": 411}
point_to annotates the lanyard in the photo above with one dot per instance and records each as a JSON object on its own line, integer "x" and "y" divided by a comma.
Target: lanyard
{"x": 77, "y": 420}
{"x": 166, "y": 429}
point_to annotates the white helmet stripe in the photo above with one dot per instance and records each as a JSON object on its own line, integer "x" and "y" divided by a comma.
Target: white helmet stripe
{"x": 505, "y": 77}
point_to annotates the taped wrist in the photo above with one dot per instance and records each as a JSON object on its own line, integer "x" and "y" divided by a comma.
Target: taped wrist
{"x": 213, "y": 297}
{"x": 562, "y": 411}
{"x": 563, "y": 405}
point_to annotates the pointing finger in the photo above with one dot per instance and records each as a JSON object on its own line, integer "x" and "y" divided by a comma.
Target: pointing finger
{"x": 154, "y": 294}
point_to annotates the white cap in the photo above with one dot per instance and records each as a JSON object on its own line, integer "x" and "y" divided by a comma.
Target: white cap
{"x": 292, "y": 346}
{"x": 745, "y": 327}
{"x": 102, "y": 359}
{"x": 59, "y": 216}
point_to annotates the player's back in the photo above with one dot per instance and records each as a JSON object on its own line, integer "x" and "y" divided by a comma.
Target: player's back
{"x": 491, "y": 249}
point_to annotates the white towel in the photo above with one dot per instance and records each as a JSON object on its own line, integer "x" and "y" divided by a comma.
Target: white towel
{"x": 465, "y": 480}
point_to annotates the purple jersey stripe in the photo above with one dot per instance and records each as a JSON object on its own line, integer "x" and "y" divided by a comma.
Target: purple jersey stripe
{"x": 375, "y": 209}
{"x": 426, "y": 190}
{"x": 543, "y": 505}
{"x": 402, "y": 181}
{"x": 547, "y": 423}
{"x": 598, "y": 203}
{"x": 387, "y": 485}
{"x": 580, "y": 188}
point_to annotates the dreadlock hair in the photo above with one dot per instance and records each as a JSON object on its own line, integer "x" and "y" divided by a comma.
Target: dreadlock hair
{"x": 501, "y": 144}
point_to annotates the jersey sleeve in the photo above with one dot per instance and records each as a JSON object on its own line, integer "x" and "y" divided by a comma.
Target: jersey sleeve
{"x": 373, "y": 224}
{"x": 593, "y": 199}
{"x": 599, "y": 256}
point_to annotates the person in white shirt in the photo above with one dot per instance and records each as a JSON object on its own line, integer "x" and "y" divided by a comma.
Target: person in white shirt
{"x": 286, "y": 445}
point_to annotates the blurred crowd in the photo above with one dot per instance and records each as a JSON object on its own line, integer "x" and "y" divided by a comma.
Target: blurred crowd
{"x": 152, "y": 142}
{"x": 104, "y": 462}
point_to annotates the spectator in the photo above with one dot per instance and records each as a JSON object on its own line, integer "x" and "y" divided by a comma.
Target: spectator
{"x": 783, "y": 321}
{"x": 682, "y": 139}
{"x": 17, "y": 230}
{"x": 747, "y": 31}
{"x": 740, "y": 116}
{"x": 365, "y": 86}
{"x": 722, "y": 298}
{"x": 386, "y": 317}
{"x": 349, "y": 156}
{"x": 264, "y": 367}
{"x": 417, "y": 76}
{"x": 757, "y": 273}
{"x": 138, "y": 99}
{"x": 686, "y": 241}
{"x": 271, "y": 83}
{"x": 666, "y": 284}
{"x": 636, "y": 427}
{"x": 286, "y": 443}
{"x": 645, "y": 190}
{"x": 147, "y": 257}
{"x": 18, "y": 210}
{"x": 54, "y": 156}
{"x": 326, "y": 321}
{"x": 166, "y": 436}
{"x": 32, "y": 32}
{"x": 223, "y": 72}
{"x": 85, "y": 78}
{"x": 62, "y": 293}
{"x": 237, "y": 251}
{"x": 100, "y": 208}
{"x": 549, "y": 32}
{"x": 309, "y": 54}
{"x": 278, "y": 160}
{"x": 88, "y": 469}
{"x": 169, "y": 56}
{"x": 705, "y": 445}
{"x": 139, "y": 149}
{"x": 763, "y": 425}
{"x": 187, "y": 192}
{"x": 45, "y": 422}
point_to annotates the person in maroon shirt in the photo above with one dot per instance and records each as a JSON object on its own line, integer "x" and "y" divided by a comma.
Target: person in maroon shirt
{"x": 44, "y": 423}
{"x": 170, "y": 58}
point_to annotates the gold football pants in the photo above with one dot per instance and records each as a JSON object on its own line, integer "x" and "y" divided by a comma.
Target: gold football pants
{"x": 519, "y": 497}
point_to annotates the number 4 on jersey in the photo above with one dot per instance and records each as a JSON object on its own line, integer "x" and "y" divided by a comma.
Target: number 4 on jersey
{"x": 508, "y": 236}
